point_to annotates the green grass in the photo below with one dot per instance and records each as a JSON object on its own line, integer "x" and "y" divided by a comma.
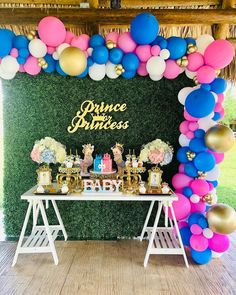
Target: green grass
{"x": 226, "y": 190}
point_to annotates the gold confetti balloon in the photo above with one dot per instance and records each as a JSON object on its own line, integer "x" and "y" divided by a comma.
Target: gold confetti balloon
{"x": 219, "y": 138}
{"x": 73, "y": 61}
{"x": 222, "y": 219}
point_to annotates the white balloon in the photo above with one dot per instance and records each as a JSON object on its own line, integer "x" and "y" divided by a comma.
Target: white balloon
{"x": 97, "y": 72}
{"x": 195, "y": 198}
{"x": 213, "y": 174}
{"x": 208, "y": 233}
{"x": 206, "y": 123}
{"x": 110, "y": 70}
{"x": 182, "y": 70}
{"x": 156, "y": 77}
{"x": 61, "y": 47}
{"x": 156, "y": 66}
{"x": 203, "y": 41}
{"x": 184, "y": 92}
{"x": 90, "y": 51}
{"x": 37, "y": 48}
{"x": 216, "y": 254}
{"x": 6, "y": 75}
{"x": 10, "y": 65}
{"x": 215, "y": 96}
{"x": 183, "y": 140}
{"x": 190, "y": 74}
{"x": 164, "y": 53}
{"x": 214, "y": 199}
{"x": 55, "y": 55}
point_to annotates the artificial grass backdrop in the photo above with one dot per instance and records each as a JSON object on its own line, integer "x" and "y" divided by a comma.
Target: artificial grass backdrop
{"x": 35, "y": 107}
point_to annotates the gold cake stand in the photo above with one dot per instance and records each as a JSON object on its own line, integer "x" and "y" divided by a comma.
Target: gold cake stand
{"x": 131, "y": 179}
{"x": 72, "y": 178}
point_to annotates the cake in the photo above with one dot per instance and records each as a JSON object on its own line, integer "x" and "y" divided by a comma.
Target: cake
{"x": 102, "y": 164}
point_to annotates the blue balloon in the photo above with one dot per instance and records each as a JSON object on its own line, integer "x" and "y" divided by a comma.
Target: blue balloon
{"x": 24, "y": 52}
{"x": 190, "y": 170}
{"x": 51, "y": 64}
{"x": 90, "y": 61}
{"x": 96, "y": 40}
{"x": 130, "y": 62}
{"x": 177, "y": 47}
{"x": 204, "y": 161}
{"x": 129, "y": 74}
{"x": 185, "y": 235}
{"x": 219, "y": 85}
{"x": 144, "y": 28}
{"x": 187, "y": 191}
{"x": 84, "y": 74}
{"x": 182, "y": 154}
{"x": 6, "y": 41}
{"x": 190, "y": 40}
{"x": 21, "y": 60}
{"x": 160, "y": 41}
{"x": 116, "y": 55}
{"x": 214, "y": 183}
{"x": 207, "y": 208}
{"x": 202, "y": 222}
{"x": 194, "y": 217}
{"x": 201, "y": 257}
{"x": 59, "y": 70}
{"x": 100, "y": 54}
{"x": 216, "y": 116}
{"x": 20, "y": 41}
{"x": 200, "y": 103}
{"x": 206, "y": 86}
{"x": 199, "y": 133}
{"x": 197, "y": 145}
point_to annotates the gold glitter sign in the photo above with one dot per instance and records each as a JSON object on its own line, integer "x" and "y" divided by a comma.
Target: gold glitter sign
{"x": 97, "y": 116}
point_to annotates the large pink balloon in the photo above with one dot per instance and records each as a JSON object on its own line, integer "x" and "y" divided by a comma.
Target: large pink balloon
{"x": 142, "y": 69}
{"x": 219, "y": 243}
{"x": 219, "y": 54}
{"x": 81, "y": 42}
{"x": 180, "y": 180}
{"x": 219, "y": 157}
{"x": 31, "y": 66}
{"x": 112, "y": 36}
{"x": 200, "y": 187}
{"x": 198, "y": 207}
{"x": 189, "y": 117}
{"x": 51, "y": 31}
{"x": 126, "y": 43}
{"x": 181, "y": 207}
{"x": 183, "y": 127}
{"x": 195, "y": 61}
{"x": 172, "y": 69}
{"x": 199, "y": 242}
{"x": 143, "y": 52}
{"x": 206, "y": 74}
{"x": 220, "y": 98}
{"x": 69, "y": 37}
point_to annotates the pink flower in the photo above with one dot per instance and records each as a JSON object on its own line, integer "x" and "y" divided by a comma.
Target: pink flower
{"x": 35, "y": 155}
{"x": 156, "y": 156}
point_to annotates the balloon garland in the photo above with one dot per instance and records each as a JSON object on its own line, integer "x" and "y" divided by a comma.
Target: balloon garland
{"x": 203, "y": 223}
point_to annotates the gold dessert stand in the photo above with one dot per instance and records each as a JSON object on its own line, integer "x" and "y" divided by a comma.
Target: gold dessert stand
{"x": 131, "y": 179}
{"x": 72, "y": 178}
{"x": 102, "y": 175}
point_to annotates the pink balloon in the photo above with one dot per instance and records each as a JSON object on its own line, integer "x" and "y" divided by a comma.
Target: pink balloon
{"x": 180, "y": 180}
{"x": 155, "y": 50}
{"x": 218, "y": 107}
{"x": 199, "y": 242}
{"x": 196, "y": 229}
{"x": 142, "y": 70}
{"x": 189, "y": 117}
{"x": 183, "y": 127}
{"x": 195, "y": 61}
{"x": 14, "y": 52}
{"x": 198, "y": 207}
{"x": 222, "y": 114}
{"x": 181, "y": 168}
{"x": 211, "y": 186}
{"x": 206, "y": 74}
{"x": 50, "y": 49}
{"x": 143, "y": 52}
{"x": 51, "y": 31}
{"x": 181, "y": 207}
{"x": 21, "y": 69}
{"x": 182, "y": 224}
{"x": 193, "y": 126}
{"x": 69, "y": 37}
{"x": 190, "y": 135}
{"x": 81, "y": 42}
{"x": 219, "y": 243}
{"x": 126, "y": 43}
{"x": 31, "y": 66}
{"x": 172, "y": 69}
{"x": 220, "y": 98}
{"x": 219, "y": 157}
{"x": 200, "y": 187}
{"x": 113, "y": 36}
{"x": 219, "y": 54}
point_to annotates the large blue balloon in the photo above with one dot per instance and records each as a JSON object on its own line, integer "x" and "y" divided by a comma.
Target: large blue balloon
{"x": 20, "y": 41}
{"x": 130, "y": 62}
{"x": 100, "y": 54}
{"x": 144, "y": 28}
{"x": 177, "y": 47}
{"x": 6, "y": 41}
{"x": 197, "y": 145}
{"x": 96, "y": 40}
{"x": 181, "y": 154}
{"x": 24, "y": 52}
{"x": 160, "y": 41}
{"x": 204, "y": 161}
{"x": 115, "y": 55}
{"x": 200, "y": 103}
{"x": 185, "y": 235}
{"x": 129, "y": 74}
{"x": 190, "y": 170}
{"x": 51, "y": 64}
{"x": 219, "y": 85}
{"x": 194, "y": 217}
{"x": 201, "y": 257}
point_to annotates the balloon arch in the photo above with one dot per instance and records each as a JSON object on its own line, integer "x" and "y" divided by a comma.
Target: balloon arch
{"x": 203, "y": 223}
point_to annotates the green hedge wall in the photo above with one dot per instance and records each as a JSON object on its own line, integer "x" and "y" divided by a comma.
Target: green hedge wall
{"x": 35, "y": 107}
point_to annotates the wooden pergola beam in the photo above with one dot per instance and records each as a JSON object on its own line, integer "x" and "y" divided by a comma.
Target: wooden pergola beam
{"x": 75, "y": 16}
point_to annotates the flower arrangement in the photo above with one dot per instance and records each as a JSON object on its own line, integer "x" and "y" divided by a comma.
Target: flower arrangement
{"x": 48, "y": 151}
{"x": 157, "y": 152}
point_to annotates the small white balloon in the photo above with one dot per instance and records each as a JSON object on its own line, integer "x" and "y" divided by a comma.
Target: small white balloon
{"x": 90, "y": 51}
{"x": 183, "y": 93}
{"x": 10, "y": 65}
{"x": 61, "y": 47}
{"x": 183, "y": 140}
{"x": 206, "y": 123}
{"x": 203, "y": 41}
{"x": 164, "y": 53}
{"x": 215, "y": 96}
{"x": 182, "y": 70}
{"x": 195, "y": 199}
{"x": 214, "y": 199}
{"x": 55, "y": 55}
{"x": 213, "y": 174}
{"x": 156, "y": 66}
{"x": 110, "y": 70}
{"x": 190, "y": 74}
{"x": 97, "y": 72}
{"x": 6, "y": 75}
{"x": 156, "y": 77}
{"x": 37, "y": 48}
{"x": 216, "y": 254}
{"x": 208, "y": 233}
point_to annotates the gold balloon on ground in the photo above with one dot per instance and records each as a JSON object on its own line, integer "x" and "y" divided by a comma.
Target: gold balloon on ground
{"x": 73, "y": 61}
{"x": 219, "y": 138}
{"x": 222, "y": 219}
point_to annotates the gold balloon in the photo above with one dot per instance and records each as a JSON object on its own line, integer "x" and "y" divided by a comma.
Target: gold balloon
{"x": 222, "y": 219}
{"x": 73, "y": 61}
{"x": 219, "y": 138}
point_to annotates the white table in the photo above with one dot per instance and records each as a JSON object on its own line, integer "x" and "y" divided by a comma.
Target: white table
{"x": 41, "y": 240}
